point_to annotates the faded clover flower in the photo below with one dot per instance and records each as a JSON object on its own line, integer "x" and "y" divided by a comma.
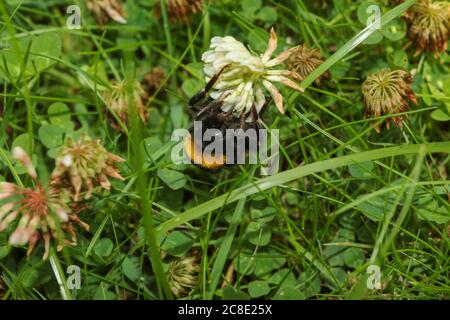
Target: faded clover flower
{"x": 304, "y": 60}
{"x": 180, "y": 10}
{"x": 83, "y": 164}
{"x": 429, "y": 26}
{"x": 154, "y": 78}
{"x": 388, "y": 92}
{"x": 117, "y": 100}
{"x": 245, "y": 74}
{"x": 106, "y": 9}
{"x": 182, "y": 275}
{"x": 45, "y": 211}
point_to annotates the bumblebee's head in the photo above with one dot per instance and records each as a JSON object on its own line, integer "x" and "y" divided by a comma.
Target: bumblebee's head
{"x": 194, "y": 152}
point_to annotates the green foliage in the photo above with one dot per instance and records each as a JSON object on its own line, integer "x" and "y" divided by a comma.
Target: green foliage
{"x": 177, "y": 243}
{"x": 42, "y": 52}
{"x": 310, "y": 231}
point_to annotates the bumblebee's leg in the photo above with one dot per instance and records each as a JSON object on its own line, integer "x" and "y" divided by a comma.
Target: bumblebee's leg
{"x": 255, "y": 124}
{"x": 195, "y": 109}
{"x": 242, "y": 120}
{"x": 230, "y": 111}
{"x": 264, "y": 107}
{"x": 210, "y": 106}
{"x": 255, "y": 116}
{"x": 202, "y": 94}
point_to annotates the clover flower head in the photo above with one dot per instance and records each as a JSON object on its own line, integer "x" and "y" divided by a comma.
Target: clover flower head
{"x": 44, "y": 212}
{"x": 182, "y": 275}
{"x": 304, "y": 60}
{"x": 388, "y": 92}
{"x": 154, "y": 79}
{"x": 181, "y": 10}
{"x": 246, "y": 74}
{"x": 83, "y": 164}
{"x": 429, "y": 26}
{"x": 117, "y": 100}
{"x": 106, "y": 9}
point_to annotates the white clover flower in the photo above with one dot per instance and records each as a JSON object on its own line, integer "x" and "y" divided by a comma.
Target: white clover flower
{"x": 241, "y": 84}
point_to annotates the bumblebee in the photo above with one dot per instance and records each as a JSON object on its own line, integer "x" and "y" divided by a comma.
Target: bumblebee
{"x": 211, "y": 116}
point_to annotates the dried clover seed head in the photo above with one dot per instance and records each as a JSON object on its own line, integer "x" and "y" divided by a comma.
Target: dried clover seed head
{"x": 84, "y": 164}
{"x": 388, "y": 92}
{"x": 117, "y": 100}
{"x": 180, "y": 10}
{"x": 104, "y": 10}
{"x": 429, "y": 26}
{"x": 183, "y": 275}
{"x": 304, "y": 60}
{"x": 154, "y": 79}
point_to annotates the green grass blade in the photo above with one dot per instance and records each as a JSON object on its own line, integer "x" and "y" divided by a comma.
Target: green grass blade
{"x": 297, "y": 173}
{"x": 142, "y": 188}
{"x": 59, "y": 275}
{"x": 410, "y": 189}
{"x": 96, "y": 236}
{"x": 225, "y": 248}
{"x": 354, "y": 42}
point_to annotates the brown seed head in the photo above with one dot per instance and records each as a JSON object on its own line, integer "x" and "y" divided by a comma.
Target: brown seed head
{"x": 84, "y": 164}
{"x": 304, "y": 60}
{"x": 117, "y": 100}
{"x": 388, "y": 92}
{"x": 180, "y": 11}
{"x": 104, "y": 10}
{"x": 429, "y": 26}
{"x": 183, "y": 275}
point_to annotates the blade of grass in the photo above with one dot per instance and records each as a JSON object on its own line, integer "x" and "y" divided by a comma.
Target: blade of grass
{"x": 143, "y": 187}
{"x": 383, "y": 191}
{"x": 380, "y": 243}
{"x": 59, "y": 275}
{"x": 296, "y": 173}
{"x": 225, "y": 248}
{"x": 96, "y": 236}
{"x": 410, "y": 191}
{"x": 354, "y": 42}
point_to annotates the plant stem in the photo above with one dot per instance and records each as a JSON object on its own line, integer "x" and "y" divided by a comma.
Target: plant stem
{"x": 59, "y": 275}
{"x": 142, "y": 186}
